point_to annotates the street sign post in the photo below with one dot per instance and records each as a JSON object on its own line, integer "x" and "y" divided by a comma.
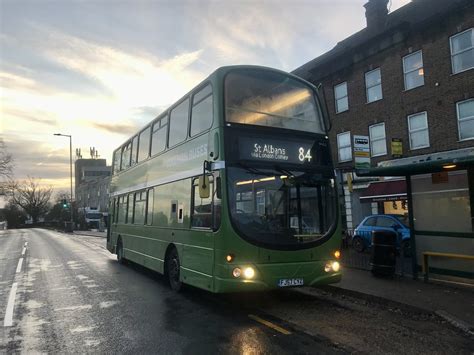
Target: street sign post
{"x": 361, "y": 152}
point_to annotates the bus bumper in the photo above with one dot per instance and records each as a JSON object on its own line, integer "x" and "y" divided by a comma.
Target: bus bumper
{"x": 268, "y": 276}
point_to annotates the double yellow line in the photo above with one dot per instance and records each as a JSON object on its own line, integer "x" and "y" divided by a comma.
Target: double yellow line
{"x": 269, "y": 324}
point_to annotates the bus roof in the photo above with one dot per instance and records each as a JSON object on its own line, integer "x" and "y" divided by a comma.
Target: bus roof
{"x": 218, "y": 73}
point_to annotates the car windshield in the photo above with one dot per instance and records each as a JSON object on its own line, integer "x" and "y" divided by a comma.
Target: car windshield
{"x": 280, "y": 208}
{"x": 403, "y": 220}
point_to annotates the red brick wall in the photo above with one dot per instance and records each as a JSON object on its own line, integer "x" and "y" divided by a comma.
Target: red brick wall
{"x": 438, "y": 96}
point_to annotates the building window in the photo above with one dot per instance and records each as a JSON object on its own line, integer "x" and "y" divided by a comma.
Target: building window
{"x": 344, "y": 147}
{"x": 413, "y": 70}
{"x": 373, "y": 85}
{"x": 340, "y": 95}
{"x": 378, "y": 144}
{"x": 465, "y": 111}
{"x": 462, "y": 51}
{"x": 418, "y": 131}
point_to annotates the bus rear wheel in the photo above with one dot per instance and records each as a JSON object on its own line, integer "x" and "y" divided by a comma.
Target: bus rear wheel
{"x": 173, "y": 270}
{"x": 120, "y": 257}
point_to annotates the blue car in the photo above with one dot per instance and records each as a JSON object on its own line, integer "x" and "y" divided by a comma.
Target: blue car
{"x": 362, "y": 238}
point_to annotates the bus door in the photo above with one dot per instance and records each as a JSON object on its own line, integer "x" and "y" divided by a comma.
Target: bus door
{"x": 199, "y": 252}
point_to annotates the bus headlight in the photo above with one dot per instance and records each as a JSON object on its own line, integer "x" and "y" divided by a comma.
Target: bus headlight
{"x": 236, "y": 272}
{"x": 249, "y": 273}
{"x": 333, "y": 266}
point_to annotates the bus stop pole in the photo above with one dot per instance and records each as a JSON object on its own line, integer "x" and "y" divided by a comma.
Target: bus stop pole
{"x": 411, "y": 218}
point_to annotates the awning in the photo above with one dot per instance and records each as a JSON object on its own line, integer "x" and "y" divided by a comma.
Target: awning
{"x": 380, "y": 191}
{"x": 422, "y": 164}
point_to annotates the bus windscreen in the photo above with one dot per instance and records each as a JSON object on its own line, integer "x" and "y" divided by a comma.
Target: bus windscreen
{"x": 267, "y": 98}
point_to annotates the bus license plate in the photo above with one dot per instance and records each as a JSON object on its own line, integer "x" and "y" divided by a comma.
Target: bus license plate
{"x": 290, "y": 282}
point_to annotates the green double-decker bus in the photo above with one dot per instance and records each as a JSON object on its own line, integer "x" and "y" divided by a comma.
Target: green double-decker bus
{"x": 232, "y": 188}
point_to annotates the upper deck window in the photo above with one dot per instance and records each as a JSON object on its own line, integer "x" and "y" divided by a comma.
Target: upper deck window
{"x": 179, "y": 123}
{"x": 272, "y": 99}
{"x": 158, "y": 140}
{"x": 201, "y": 114}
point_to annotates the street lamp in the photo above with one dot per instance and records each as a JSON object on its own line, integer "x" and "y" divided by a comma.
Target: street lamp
{"x": 70, "y": 169}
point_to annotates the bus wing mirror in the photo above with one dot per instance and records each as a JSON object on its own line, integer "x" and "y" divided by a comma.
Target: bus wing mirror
{"x": 204, "y": 190}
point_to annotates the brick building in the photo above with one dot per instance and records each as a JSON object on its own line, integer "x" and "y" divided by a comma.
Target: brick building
{"x": 407, "y": 77}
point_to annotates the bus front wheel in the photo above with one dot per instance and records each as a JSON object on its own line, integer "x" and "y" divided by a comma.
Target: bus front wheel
{"x": 173, "y": 269}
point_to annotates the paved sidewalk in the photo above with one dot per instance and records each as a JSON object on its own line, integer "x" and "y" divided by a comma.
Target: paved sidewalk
{"x": 92, "y": 233}
{"x": 454, "y": 303}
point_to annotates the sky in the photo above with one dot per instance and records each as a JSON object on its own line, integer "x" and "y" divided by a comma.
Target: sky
{"x": 99, "y": 70}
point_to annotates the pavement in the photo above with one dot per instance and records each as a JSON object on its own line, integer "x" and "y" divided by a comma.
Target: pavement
{"x": 454, "y": 302}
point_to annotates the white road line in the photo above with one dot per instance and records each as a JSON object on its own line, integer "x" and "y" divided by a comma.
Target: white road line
{"x": 23, "y": 251}
{"x": 20, "y": 263}
{"x": 8, "y": 320}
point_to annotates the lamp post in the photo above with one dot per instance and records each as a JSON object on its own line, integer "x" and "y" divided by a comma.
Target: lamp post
{"x": 70, "y": 169}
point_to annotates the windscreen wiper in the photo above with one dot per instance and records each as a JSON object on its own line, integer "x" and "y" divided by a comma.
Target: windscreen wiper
{"x": 255, "y": 170}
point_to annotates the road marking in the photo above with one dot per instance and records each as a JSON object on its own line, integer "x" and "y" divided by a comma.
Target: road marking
{"x": 23, "y": 251}
{"x": 20, "y": 263}
{"x": 269, "y": 324}
{"x": 8, "y": 320}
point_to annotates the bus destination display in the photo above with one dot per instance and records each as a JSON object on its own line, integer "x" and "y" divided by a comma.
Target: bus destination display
{"x": 276, "y": 150}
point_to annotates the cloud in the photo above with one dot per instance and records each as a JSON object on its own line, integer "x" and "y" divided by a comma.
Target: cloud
{"x": 121, "y": 128}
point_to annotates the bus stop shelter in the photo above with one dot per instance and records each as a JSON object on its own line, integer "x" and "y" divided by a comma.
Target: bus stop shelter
{"x": 440, "y": 197}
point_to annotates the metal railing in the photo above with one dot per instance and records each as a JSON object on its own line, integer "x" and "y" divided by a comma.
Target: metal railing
{"x": 356, "y": 253}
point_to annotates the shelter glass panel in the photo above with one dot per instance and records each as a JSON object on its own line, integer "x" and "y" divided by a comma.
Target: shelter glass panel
{"x": 451, "y": 198}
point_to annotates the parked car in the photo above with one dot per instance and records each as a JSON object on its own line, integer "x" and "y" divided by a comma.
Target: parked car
{"x": 362, "y": 238}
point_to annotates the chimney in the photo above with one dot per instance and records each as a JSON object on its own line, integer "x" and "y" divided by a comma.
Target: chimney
{"x": 376, "y": 13}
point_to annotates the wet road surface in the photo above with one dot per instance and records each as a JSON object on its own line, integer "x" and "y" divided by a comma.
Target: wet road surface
{"x": 73, "y": 297}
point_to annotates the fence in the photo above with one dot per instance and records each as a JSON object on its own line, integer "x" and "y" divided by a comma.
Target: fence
{"x": 356, "y": 251}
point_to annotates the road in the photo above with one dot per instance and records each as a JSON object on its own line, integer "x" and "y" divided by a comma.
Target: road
{"x": 69, "y": 295}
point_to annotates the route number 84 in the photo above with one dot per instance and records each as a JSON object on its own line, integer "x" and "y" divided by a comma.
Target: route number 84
{"x": 302, "y": 156}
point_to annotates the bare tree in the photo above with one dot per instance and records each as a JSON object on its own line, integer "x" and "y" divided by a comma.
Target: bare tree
{"x": 6, "y": 167}
{"x": 31, "y": 197}
{"x": 6, "y": 162}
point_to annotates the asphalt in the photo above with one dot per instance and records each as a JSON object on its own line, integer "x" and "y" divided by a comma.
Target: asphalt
{"x": 74, "y": 297}
{"x": 452, "y": 301}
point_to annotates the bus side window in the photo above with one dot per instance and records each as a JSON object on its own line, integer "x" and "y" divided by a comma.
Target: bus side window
{"x": 201, "y": 114}
{"x": 117, "y": 157}
{"x": 134, "y": 158}
{"x": 126, "y": 154}
{"x": 144, "y": 144}
{"x": 201, "y": 213}
{"x": 178, "y": 123}
{"x": 149, "y": 207}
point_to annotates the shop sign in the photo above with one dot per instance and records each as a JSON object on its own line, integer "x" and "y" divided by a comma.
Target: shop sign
{"x": 397, "y": 148}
